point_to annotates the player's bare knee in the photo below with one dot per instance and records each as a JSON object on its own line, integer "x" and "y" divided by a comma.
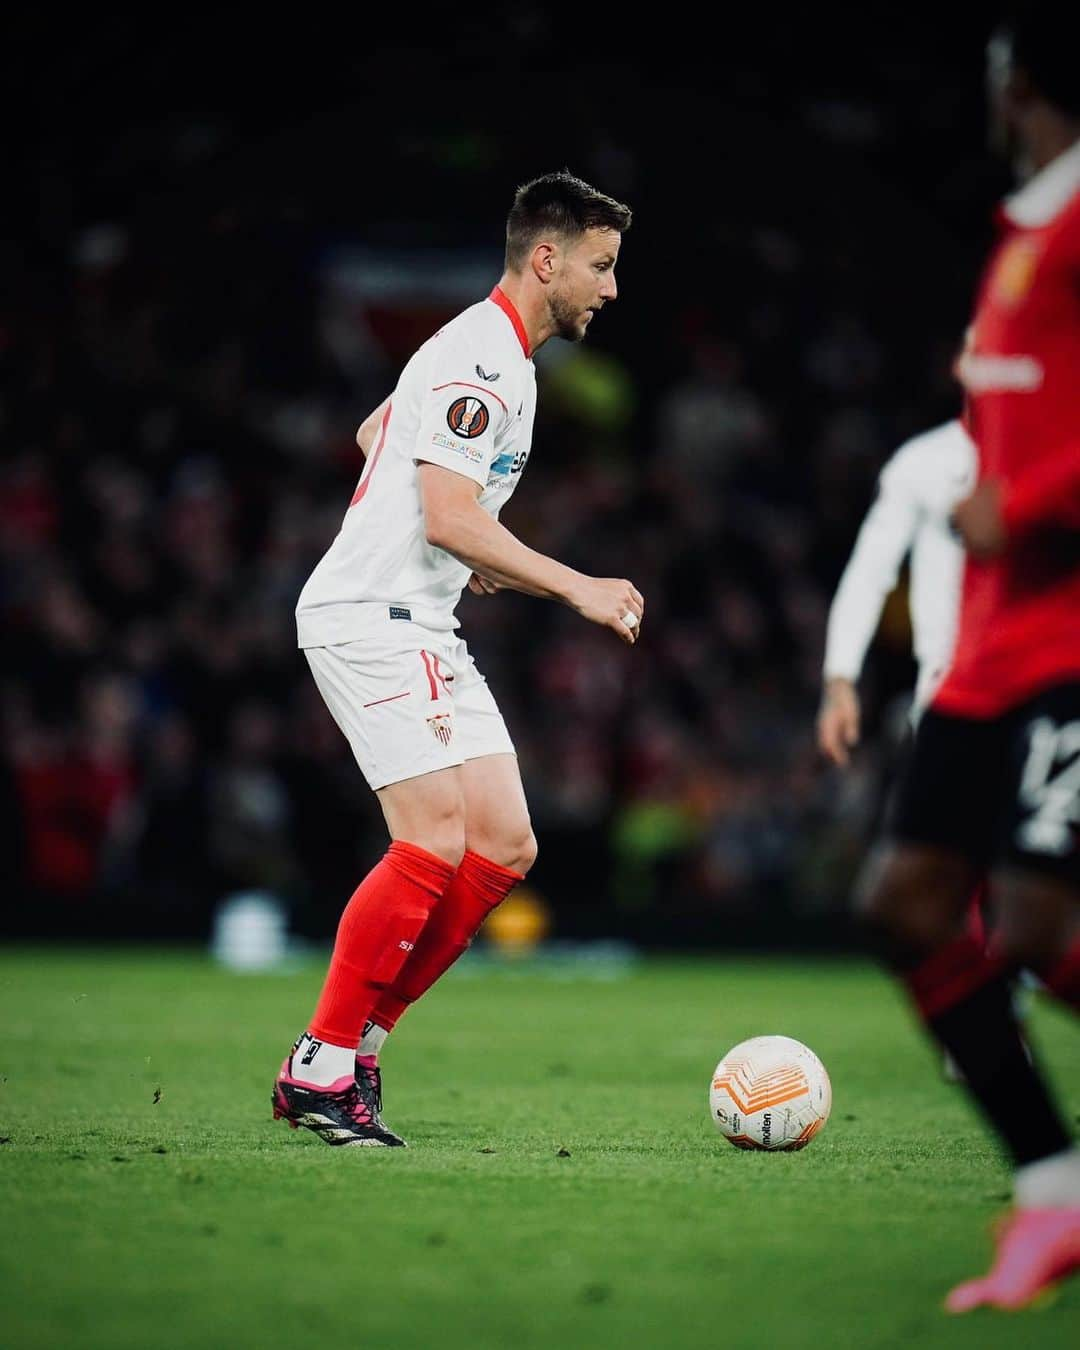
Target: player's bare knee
{"x": 514, "y": 848}
{"x": 875, "y": 896}
{"x": 1036, "y": 920}
{"x": 1018, "y": 948}
{"x": 444, "y": 833}
{"x": 915, "y": 896}
{"x": 447, "y": 844}
{"x": 1022, "y": 941}
{"x": 525, "y": 853}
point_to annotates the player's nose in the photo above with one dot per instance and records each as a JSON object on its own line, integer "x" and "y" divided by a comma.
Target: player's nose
{"x": 608, "y": 289}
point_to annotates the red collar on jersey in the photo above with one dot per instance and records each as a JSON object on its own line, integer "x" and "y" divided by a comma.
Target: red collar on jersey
{"x": 510, "y": 310}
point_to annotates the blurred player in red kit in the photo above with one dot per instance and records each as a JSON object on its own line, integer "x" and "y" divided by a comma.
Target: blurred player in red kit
{"x": 994, "y": 778}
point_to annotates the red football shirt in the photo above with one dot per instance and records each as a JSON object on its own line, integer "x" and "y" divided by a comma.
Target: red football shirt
{"x": 1019, "y": 629}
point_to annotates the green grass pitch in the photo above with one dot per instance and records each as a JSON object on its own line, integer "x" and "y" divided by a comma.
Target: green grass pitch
{"x": 564, "y": 1187}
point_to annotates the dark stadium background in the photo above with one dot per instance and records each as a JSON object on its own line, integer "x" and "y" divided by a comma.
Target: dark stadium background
{"x": 223, "y": 236}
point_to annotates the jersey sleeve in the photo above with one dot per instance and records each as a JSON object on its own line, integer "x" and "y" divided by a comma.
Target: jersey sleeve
{"x": 460, "y": 417}
{"x": 884, "y": 540}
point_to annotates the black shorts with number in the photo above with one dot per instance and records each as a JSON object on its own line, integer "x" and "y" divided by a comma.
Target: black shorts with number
{"x": 1002, "y": 790}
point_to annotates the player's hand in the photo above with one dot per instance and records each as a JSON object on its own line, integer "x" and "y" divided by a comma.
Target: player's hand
{"x": 608, "y": 601}
{"x": 482, "y": 585}
{"x": 838, "y": 721}
{"x": 979, "y": 520}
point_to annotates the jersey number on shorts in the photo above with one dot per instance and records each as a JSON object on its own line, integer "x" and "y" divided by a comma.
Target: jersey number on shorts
{"x": 1050, "y": 793}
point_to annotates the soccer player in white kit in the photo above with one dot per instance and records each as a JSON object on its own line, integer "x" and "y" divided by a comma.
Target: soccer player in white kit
{"x": 376, "y": 622}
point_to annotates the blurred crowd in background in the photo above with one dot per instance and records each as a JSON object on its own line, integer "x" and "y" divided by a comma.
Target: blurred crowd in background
{"x": 209, "y": 297}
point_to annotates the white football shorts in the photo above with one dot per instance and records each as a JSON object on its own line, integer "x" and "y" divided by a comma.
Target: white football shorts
{"x": 409, "y": 701}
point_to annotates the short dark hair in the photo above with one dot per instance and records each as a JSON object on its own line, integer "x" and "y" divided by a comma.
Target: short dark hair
{"x": 558, "y": 203}
{"x": 1043, "y": 42}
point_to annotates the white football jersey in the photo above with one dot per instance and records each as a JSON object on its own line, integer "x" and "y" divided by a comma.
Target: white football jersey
{"x": 466, "y": 401}
{"x": 917, "y": 490}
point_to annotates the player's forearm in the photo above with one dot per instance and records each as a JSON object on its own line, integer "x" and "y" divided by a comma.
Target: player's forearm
{"x": 853, "y": 620}
{"x": 884, "y": 538}
{"x": 485, "y": 546}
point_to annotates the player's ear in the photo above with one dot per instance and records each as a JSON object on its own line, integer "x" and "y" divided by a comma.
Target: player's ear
{"x": 544, "y": 262}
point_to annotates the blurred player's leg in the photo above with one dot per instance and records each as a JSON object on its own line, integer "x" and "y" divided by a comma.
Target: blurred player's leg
{"x": 968, "y": 793}
{"x": 964, "y": 999}
{"x": 978, "y": 928}
{"x": 1039, "y": 928}
{"x": 916, "y": 898}
{"x": 976, "y": 914}
{"x": 500, "y": 848}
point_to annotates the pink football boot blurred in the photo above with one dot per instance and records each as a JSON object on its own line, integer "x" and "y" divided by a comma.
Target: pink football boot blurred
{"x": 1035, "y": 1249}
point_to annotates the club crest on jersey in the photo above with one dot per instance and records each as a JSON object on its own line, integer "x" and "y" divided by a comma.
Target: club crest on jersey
{"x": 442, "y": 727}
{"x": 1014, "y": 271}
{"x": 468, "y": 417}
{"x": 488, "y": 379}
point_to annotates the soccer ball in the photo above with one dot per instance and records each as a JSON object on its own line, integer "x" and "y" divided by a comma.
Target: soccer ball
{"x": 770, "y": 1092}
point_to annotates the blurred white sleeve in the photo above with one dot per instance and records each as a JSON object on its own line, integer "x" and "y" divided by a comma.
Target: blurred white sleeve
{"x": 884, "y": 540}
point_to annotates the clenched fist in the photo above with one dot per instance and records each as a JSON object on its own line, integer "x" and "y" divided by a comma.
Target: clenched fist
{"x": 607, "y": 601}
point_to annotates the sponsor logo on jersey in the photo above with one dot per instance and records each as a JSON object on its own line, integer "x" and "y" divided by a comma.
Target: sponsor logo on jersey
{"x": 1007, "y": 374}
{"x": 397, "y": 612}
{"x": 488, "y": 379}
{"x": 468, "y": 417}
{"x": 509, "y": 463}
{"x": 442, "y": 727}
{"x": 1014, "y": 271}
{"x": 472, "y": 453}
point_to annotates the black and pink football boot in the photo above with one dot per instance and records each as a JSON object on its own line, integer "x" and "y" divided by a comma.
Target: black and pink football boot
{"x": 344, "y": 1113}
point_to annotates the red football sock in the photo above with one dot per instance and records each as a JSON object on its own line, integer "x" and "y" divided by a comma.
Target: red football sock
{"x": 1063, "y": 980}
{"x": 951, "y": 975}
{"x": 975, "y": 925}
{"x": 377, "y": 932}
{"x": 964, "y": 998}
{"x": 478, "y": 886}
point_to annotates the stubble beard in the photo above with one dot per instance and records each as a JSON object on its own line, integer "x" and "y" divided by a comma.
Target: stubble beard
{"x": 565, "y": 317}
